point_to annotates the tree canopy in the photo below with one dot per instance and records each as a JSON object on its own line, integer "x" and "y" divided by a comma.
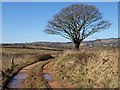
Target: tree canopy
{"x": 76, "y": 22}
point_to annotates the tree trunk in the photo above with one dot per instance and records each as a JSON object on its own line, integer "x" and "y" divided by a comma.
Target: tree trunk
{"x": 77, "y": 44}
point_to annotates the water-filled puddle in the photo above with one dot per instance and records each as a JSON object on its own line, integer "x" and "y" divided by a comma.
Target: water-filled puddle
{"x": 47, "y": 77}
{"x": 16, "y": 81}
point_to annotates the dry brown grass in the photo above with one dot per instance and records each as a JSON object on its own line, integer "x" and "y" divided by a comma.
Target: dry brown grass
{"x": 88, "y": 68}
{"x": 22, "y": 58}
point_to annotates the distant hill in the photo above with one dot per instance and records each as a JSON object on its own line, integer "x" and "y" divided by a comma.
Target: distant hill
{"x": 103, "y": 42}
{"x": 99, "y": 42}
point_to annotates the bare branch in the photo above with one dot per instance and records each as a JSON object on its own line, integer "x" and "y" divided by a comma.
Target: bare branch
{"x": 77, "y": 22}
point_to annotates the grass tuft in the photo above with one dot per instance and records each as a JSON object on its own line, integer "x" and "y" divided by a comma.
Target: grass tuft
{"x": 87, "y": 68}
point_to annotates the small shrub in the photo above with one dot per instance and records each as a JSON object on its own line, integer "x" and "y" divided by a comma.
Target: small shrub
{"x": 43, "y": 57}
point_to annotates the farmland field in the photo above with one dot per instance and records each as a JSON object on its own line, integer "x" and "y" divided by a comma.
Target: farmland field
{"x": 90, "y": 67}
{"x": 21, "y": 57}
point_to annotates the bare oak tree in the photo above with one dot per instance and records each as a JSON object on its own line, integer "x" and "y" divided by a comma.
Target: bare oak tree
{"x": 77, "y": 22}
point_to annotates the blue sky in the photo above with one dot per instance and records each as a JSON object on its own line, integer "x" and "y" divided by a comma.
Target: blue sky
{"x": 25, "y": 22}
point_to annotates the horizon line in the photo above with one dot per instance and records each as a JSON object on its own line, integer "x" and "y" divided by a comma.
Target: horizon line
{"x": 56, "y": 41}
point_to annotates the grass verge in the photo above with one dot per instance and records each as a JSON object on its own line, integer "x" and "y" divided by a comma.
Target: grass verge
{"x": 20, "y": 60}
{"x": 87, "y": 68}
